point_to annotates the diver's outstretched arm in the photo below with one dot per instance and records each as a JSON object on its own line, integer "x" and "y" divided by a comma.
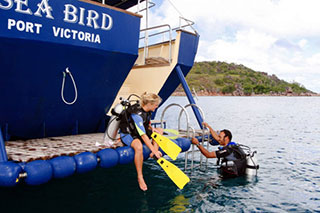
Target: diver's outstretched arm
{"x": 203, "y": 150}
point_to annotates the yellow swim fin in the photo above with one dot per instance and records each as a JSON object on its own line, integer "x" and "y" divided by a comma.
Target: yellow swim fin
{"x": 174, "y": 133}
{"x": 174, "y": 173}
{"x": 168, "y": 146}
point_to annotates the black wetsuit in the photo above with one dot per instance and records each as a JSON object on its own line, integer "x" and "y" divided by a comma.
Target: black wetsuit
{"x": 134, "y": 124}
{"x": 233, "y": 160}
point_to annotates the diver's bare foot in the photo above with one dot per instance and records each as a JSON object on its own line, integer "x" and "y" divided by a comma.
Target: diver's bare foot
{"x": 142, "y": 184}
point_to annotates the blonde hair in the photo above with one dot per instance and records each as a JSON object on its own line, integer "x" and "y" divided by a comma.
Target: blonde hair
{"x": 150, "y": 98}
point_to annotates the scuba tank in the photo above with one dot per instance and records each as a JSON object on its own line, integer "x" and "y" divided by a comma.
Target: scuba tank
{"x": 234, "y": 164}
{"x": 111, "y": 134}
{"x": 252, "y": 164}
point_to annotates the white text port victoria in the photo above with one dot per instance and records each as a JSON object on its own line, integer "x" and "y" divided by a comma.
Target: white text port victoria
{"x": 76, "y": 35}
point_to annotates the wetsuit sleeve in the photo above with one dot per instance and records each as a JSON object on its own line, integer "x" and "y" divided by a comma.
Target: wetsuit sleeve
{"x": 223, "y": 152}
{"x": 138, "y": 123}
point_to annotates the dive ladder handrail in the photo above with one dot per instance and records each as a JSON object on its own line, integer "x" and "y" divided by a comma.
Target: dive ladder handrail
{"x": 187, "y": 152}
{"x": 182, "y": 109}
{"x": 205, "y": 133}
{"x": 191, "y": 105}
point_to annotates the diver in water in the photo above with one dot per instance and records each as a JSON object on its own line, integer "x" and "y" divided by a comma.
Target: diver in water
{"x": 135, "y": 129}
{"x": 233, "y": 162}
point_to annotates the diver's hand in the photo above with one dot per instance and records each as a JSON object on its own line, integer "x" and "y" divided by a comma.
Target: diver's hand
{"x": 158, "y": 130}
{"x": 205, "y": 124}
{"x": 194, "y": 141}
{"x": 158, "y": 155}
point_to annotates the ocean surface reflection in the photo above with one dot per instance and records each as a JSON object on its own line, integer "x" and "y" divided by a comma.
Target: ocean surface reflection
{"x": 285, "y": 131}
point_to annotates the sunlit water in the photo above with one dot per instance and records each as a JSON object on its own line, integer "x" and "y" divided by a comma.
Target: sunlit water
{"x": 285, "y": 131}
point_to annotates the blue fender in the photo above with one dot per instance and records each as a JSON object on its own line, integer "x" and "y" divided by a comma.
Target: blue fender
{"x": 63, "y": 166}
{"x": 184, "y": 143}
{"x": 86, "y": 161}
{"x": 38, "y": 172}
{"x": 212, "y": 141}
{"x": 126, "y": 154}
{"x": 9, "y": 173}
{"x": 108, "y": 158}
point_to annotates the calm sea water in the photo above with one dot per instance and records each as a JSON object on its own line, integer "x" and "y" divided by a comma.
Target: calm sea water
{"x": 285, "y": 131}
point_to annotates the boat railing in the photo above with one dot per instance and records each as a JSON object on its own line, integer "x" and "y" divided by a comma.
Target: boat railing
{"x": 149, "y": 4}
{"x": 189, "y": 24}
{"x": 147, "y": 36}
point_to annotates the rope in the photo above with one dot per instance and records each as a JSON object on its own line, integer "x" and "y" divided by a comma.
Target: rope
{"x": 175, "y": 8}
{"x": 74, "y": 85}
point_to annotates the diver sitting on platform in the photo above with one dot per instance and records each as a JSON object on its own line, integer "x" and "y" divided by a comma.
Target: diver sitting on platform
{"x": 233, "y": 157}
{"x": 135, "y": 129}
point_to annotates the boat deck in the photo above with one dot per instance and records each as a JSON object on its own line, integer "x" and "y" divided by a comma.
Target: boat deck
{"x": 196, "y": 133}
{"x": 47, "y": 148}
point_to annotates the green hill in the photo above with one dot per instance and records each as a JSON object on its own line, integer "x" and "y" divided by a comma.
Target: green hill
{"x": 221, "y": 78}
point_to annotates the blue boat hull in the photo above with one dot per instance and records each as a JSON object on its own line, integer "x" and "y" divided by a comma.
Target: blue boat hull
{"x": 187, "y": 53}
{"x": 31, "y": 69}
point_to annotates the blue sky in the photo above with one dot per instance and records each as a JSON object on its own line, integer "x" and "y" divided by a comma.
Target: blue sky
{"x": 280, "y": 37}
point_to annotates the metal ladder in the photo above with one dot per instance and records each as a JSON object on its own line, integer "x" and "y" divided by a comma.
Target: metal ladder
{"x": 188, "y": 133}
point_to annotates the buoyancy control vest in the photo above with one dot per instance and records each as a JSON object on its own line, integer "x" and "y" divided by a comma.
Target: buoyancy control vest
{"x": 234, "y": 162}
{"x": 127, "y": 124}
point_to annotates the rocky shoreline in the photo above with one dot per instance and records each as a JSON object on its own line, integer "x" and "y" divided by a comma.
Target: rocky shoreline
{"x": 237, "y": 93}
{"x": 215, "y": 78}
